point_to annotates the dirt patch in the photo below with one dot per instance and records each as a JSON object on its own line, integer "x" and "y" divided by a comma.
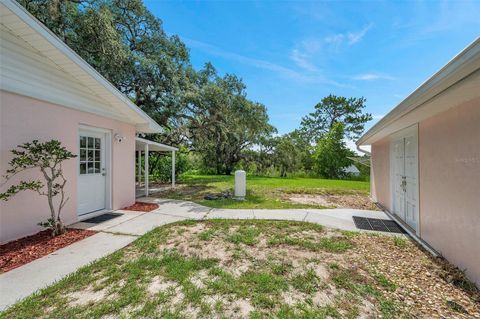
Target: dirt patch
{"x": 158, "y": 284}
{"x": 142, "y": 207}
{"x": 338, "y": 201}
{"x": 87, "y": 296}
{"x": 416, "y": 281}
{"x": 24, "y": 250}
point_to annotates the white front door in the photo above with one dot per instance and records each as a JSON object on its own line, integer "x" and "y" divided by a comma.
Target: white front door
{"x": 91, "y": 171}
{"x": 404, "y": 161}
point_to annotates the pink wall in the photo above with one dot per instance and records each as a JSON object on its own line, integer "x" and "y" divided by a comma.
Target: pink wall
{"x": 449, "y": 184}
{"x": 23, "y": 119}
{"x": 449, "y": 167}
{"x": 380, "y": 172}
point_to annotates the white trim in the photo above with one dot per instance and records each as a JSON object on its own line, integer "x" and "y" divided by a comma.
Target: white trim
{"x": 173, "y": 169}
{"x": 393, "y": 137}
{"x": 64, "y": 55}
{"x": 146, "y": 170}
{"x": 108, "y": 163}
{"x": 160, "y": 147}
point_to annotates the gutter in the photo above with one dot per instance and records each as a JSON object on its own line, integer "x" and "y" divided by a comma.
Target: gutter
{"x": 362, "y": 151}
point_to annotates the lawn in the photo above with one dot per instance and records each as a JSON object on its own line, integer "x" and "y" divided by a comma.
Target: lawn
{"x": 273, "y": 192}
{"x": 258, "y": 269}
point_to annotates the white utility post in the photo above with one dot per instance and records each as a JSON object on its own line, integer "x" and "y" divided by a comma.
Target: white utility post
{"x": 139, "y": 164}
{"x": 145, "y": 171}
{"x": 240, "y": 190}
{"x": 173, "y": 169}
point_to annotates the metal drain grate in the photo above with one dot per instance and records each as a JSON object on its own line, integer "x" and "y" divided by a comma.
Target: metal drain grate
{"x": 102, "y": 218}
{"x": 384, "y": 225}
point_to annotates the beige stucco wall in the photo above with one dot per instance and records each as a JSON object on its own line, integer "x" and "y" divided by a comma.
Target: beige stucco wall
{"x": 449, "y": 168}
{"x": 23, "y": 119}
{"x": 380, "y": 172}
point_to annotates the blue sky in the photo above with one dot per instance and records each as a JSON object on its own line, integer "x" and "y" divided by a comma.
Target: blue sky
{"x": 291, "y": 54}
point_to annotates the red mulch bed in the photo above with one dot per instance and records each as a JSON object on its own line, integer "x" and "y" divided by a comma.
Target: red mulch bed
{"x": 142, "y": 207}
{"x": 24, "y": 250}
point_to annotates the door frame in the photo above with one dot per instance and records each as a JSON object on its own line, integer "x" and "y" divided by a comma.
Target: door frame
{"x": 108, "y": 169}
{"x": 394, "y": 137}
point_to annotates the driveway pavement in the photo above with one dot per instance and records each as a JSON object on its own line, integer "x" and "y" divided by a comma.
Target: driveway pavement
{"x": 121, "y": 231}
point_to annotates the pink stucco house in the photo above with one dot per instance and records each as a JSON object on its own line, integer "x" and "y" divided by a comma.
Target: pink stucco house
{"x": 48, "y": 92}
{"x": 425, "y": 161}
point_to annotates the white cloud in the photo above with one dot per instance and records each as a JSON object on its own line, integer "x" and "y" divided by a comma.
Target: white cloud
{"x": 304, "y": 52}
{"x": 335, "y": 39}
{"x": 261, "y": 64}
{"x": 354, "y": 37}
{"x": 350, "y": 38}
{"x": 302, "y": 60}
{"x": 372, "y": 77}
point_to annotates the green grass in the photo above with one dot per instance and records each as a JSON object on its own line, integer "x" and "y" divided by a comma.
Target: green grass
{"x": 262, "y": 192}
{"x": 292, "y": 253}
{"x": 333, "y": 245}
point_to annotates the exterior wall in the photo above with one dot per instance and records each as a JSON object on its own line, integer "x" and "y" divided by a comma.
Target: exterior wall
{"x": 449, "y": 167}
{"x": 380, "y": 172}
{"x": 449, "y": 184}
{"x": 23, "y": 119}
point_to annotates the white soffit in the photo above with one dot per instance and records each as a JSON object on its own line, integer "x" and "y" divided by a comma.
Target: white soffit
{"x": 14, "y": 17}
{"x": 457, "y": 82}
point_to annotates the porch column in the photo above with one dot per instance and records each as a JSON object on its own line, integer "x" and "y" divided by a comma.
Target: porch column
{"x": 145, "y": 170}
{"x": 173, "y": 169}
{"x": 139, "y": 164}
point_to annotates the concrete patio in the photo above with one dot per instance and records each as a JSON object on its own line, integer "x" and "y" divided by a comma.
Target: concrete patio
{"x": 117, "y": 233}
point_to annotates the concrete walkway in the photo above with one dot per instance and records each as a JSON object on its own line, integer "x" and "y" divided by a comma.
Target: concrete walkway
{"x": 121, "y": 231}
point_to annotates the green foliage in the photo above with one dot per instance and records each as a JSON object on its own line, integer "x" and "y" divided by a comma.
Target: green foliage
{"x": 47, "y": 157}
{"x": 161, "y": 164}
{"x": 209, "y": 114}
{"x": 336, "y": 109}
{"x": 227, "y": 123}
{"x": 331, "y": 154}
{"x": 127, "y": 44}
{"x": 22, "y": 185}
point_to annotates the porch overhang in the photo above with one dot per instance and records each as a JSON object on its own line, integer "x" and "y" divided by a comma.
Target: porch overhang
{"x": 147, "y": 146}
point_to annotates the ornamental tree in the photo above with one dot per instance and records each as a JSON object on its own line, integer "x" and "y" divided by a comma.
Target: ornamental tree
{"x": 48, "y": 158}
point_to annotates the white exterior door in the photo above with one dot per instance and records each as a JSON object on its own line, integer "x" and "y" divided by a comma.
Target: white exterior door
{"x": 398, "y": 170}
{"x": 91, "y": 171}
{"x": 411, "y": 180}
{"x": 404, "y": 176}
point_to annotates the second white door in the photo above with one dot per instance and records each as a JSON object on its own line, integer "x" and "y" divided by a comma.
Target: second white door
{"x": 404, "y": 161}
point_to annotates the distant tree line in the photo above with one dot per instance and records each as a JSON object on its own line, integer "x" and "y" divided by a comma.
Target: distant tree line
{"x": 207, "y": 115}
